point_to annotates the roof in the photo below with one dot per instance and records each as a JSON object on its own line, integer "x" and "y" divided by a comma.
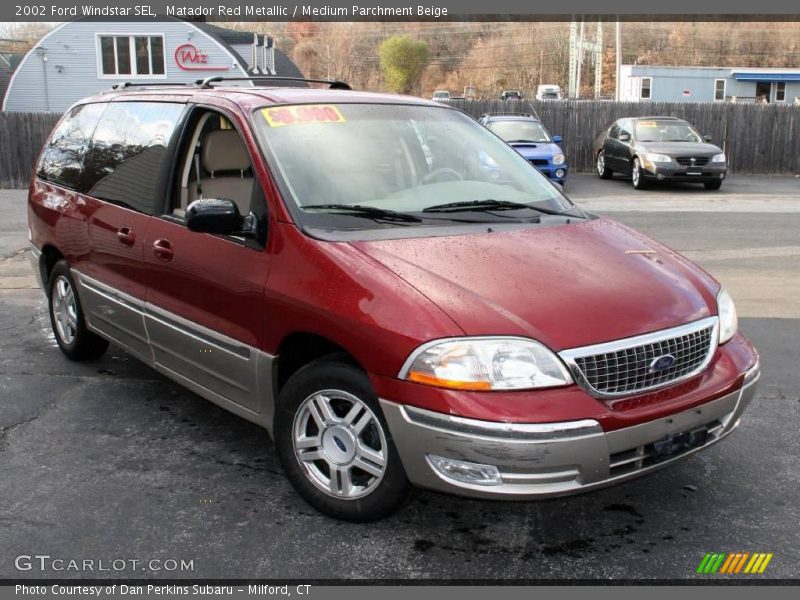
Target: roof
{"x": 655, "y": 119}
{"x": 511, "y": 117}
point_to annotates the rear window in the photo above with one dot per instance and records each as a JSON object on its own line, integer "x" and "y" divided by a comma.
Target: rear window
{"x": 62, "y": 159}
{"x": 128, "y": 155}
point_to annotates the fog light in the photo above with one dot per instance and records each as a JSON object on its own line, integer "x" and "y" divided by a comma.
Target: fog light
{"x": 722, "y": 175}
{"x": 660, "y": 176}
{"x": 465, "y": 472}
{"x": 560, "y": 173}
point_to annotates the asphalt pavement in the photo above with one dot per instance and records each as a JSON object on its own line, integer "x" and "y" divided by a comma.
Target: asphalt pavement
{"x": 109, "y": 460}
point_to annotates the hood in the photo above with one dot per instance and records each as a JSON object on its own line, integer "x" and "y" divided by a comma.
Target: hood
{"x": 680, "y": 148}
{"x": 531, "y": 150}
{"x": 566, "y": 285}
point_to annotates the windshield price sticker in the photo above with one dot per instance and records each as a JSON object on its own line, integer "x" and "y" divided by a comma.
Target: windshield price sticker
{"x": 280, "y": 116}
{"x": 648, "y": 124}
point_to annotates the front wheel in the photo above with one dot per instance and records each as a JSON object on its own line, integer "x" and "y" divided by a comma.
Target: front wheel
{"x": 637, "y": 178}
{"x": 334, "y": 444}
{"x": 713, "y": 185}
{"x": 602, "y": 171}
{"x": 66, "y": 317}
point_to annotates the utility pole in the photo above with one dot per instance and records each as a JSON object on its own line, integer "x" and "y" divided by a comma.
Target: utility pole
{"x": 598, "y": 60}
{"x": 580, "y": 61}
{"x": 618, "y": 60}
{"x": 573, "y": 58}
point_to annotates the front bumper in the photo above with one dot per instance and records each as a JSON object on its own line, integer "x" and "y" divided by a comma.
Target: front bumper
{"x": 552, "y": 459}
{"x": 676, "y": 172}
{"x": 557, "y": 173}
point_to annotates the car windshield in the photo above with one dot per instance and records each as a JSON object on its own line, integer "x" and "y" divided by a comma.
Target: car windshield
{"x": 666, "y": 131}
{"x": 519, "y": 131}
{"x": 340, "y": 162}
{"x": 441, "y": 94}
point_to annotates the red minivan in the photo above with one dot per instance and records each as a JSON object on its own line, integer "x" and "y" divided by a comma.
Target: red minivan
{"x": 395, "y": 294}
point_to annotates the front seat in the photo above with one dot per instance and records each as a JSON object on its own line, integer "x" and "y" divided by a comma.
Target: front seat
{"x": 225, "y": 159}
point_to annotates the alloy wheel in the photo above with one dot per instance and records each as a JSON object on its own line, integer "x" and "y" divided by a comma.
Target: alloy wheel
{"x": 65, "y": 310}
{"x": 635, "y": 173}
{"x": 340, "y": 444}
{"x": 601, "y": 163}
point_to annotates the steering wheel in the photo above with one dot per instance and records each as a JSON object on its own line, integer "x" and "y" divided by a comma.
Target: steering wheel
{"x": 442, "y": 171}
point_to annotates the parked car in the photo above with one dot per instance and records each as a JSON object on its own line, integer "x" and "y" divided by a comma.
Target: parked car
{"x": 652, "y": 149}
{"x": 510, "y": 95}
{"x": 528, "y": 136}
{"x": 548, "y": 92}
{"x": 440, "y": 96}
{"x": 390, "y": 314}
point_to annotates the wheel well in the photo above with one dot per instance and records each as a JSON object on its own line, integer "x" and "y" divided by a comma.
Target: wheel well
{"x": 50, "y": 256}
{"x": 299, "y": 349}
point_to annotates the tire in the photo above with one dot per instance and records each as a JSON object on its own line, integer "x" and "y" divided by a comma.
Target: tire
{"x": 637, "y": 178}
{"x": 329, "y": 415}
{"x": 66, "y": 317}
{"x": 713, "y": 185}
{"x": 600, "y": 166}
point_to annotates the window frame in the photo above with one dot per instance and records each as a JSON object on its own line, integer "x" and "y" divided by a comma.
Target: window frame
{"x": 132, "y": 52}
{"x": 777, "y": 84}
{"x": 724, "y": 90}
{"x": 649, "y": 88}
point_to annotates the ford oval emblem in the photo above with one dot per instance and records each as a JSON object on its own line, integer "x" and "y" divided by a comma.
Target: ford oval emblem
{"x": 662, "y": 363}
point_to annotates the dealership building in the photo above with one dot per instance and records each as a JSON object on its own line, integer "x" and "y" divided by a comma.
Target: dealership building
{"x": 81, "y": 58}
{"x": 709, "y": 84}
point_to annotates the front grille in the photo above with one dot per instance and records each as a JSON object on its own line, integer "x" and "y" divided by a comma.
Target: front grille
{"x": 539, "y": 162}
{"x": 629, "y": 366}
{"x": 686, "y": 161}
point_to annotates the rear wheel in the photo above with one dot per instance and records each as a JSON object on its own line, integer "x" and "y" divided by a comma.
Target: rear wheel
{"x": 637, "y": 178}
{"x": 602, "y": 171}
{"x": 713, "y": 185}
{"x": 334, "y": 444}
{"x": 66, "y": 317}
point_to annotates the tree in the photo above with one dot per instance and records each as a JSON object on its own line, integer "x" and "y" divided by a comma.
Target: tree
{"x": 402, "y": 61}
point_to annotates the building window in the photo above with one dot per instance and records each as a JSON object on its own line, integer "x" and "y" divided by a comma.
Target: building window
{"x": 132, "y": 55}
{"x": 780, "y": 91}
{"x": 719, "y": 90}
{"x": 646, "y": 87}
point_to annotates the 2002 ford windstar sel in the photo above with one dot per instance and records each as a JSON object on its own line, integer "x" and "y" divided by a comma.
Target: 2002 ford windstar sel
{"x": 342, "y": 269}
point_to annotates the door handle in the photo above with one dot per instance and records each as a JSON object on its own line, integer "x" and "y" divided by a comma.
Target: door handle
{"x": 162, "y": 248}
{"x": 126, "y": 236}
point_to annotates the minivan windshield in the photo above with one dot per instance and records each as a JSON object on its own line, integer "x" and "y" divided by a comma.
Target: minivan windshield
{"x": 388, "y": 165}
{"x": 666, "y": 131}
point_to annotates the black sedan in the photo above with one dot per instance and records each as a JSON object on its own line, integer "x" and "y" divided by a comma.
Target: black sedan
{"x": 650, "y": 149}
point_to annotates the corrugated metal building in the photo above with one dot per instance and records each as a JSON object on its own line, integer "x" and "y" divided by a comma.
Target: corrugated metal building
{"x": 709, "y": 84}
{"x": 81, "y": 58}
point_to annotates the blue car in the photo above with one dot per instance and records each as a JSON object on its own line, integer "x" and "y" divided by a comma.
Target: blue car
{"x": 526, "y": 134}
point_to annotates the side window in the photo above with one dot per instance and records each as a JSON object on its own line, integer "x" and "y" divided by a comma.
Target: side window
{"x": 613, "y": 133}
{"x": 128, "y": 156}
{"x": 63, "y": 156}
{"x": 625, "y": 126}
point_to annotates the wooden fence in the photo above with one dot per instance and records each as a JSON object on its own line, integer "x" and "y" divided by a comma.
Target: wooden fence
{"x": 756, "y": 138}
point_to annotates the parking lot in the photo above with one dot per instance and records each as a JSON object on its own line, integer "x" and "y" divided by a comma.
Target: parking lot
{"x": 109, "y": 460}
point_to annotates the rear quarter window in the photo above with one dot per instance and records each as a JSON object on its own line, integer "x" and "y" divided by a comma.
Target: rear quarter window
{"x": 63, "y": 156}
{"x": 128, "y": 158}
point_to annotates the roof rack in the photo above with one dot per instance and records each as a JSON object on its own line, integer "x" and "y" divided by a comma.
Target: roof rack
{"x": 333, "y": 84}
{"x": 129, "y": 84}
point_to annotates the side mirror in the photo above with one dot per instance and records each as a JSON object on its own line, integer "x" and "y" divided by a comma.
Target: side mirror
{"x": 217, "y": 215}
{"x": 557, "y": 139}
{"x": 707, "y": 138}
{"x": 624, "y": 137}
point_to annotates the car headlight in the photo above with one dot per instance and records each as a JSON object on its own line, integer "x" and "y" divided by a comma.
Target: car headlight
{"x": 558, "y": 159}
{"x": 486, "y": 363}
{"x": 728, "y": 320}
{"x": 653, "y": 158}
{"x": 718, "y": 158}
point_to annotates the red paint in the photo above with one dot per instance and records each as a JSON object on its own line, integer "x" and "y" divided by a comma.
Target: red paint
{"x": 564, "y": 285}
{"x": 189, "y": 58}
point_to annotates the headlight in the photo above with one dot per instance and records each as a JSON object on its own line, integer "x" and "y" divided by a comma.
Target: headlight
{"x": 497, "y": 363}
{"x": 558, "y": 159}
{"x": 728, "y": 321}
{"x": 718, "y": 158}
{"x": 657, "y": 157}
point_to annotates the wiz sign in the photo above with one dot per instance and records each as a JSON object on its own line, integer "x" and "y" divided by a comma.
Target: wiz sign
{"x": 189, "y": 58}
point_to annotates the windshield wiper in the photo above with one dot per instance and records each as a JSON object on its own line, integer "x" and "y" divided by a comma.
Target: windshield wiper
{"x": 486, "y": 205}
{"x": 526, "y": 142}
{"x": 369, "y": 212}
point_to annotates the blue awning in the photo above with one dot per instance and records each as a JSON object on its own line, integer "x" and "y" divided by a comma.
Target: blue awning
{"x": 766, "y": 75}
